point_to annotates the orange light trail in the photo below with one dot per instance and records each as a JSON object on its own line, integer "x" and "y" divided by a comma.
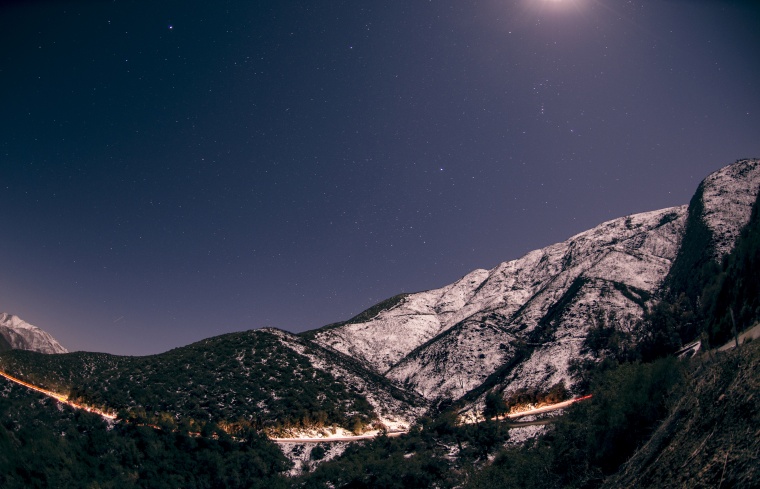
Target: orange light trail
{"x": 58, "y": 397}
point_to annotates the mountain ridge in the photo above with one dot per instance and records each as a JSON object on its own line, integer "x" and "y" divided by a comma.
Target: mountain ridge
{"x": 266, "y": 378}
{"x": 445, "y": 342}
{"x": 505, "y": 294}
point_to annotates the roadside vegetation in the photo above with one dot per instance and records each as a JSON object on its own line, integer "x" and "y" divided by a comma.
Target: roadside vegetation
{"x": 43, "y": 445}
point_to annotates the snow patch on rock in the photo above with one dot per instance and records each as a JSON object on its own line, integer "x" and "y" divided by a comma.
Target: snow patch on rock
{"x": 301, "y": 455}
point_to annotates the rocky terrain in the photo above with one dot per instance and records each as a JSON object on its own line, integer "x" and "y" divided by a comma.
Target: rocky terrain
{"x": 522, "y": 322}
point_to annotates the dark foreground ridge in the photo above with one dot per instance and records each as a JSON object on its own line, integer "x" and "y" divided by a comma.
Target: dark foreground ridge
{"x": 711, "y": 437}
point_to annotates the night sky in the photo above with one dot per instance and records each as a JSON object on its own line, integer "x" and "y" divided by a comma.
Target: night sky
{"x": 175, "y": 170}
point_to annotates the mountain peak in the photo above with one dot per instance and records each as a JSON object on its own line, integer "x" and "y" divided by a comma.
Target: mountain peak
{"x": 17, "y": 334}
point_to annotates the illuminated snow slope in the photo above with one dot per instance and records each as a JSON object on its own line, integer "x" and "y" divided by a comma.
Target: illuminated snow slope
{"x": 728, "y": 197}
{"x": 445, "y": 342}
{"x": 21, "y": 335}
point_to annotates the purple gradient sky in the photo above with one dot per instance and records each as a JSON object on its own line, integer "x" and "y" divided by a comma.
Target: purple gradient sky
{"x": 178, "y": 170}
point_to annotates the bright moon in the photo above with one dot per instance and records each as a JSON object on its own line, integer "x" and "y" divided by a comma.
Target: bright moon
{"x": 561, "y": 4}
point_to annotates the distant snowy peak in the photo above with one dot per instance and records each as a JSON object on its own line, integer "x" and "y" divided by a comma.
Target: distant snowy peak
{"x": 727, "y": 196}
{"x": 17, "y": 334}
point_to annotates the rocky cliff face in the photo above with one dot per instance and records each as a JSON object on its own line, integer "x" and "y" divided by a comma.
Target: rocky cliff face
{"x": 17, "y": 334}
{"x": 447, "y": 342}
{"x": 727, "y": 196}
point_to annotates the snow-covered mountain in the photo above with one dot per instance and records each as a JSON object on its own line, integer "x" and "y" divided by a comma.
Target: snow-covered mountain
{"x": 447, "y": 342}
{"x": 17, "y": 334}
{"x": 520, "y": 324}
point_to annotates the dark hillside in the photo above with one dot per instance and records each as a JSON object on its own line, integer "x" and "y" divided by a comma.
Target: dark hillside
{"x": 700, "y": 295}
{"x": 736, "y": 290}
{"x": 664, "y": 424}
{"x": 44, "y": 444}
{"x": 694, "y": 266}
{"x": 248, "y": 377}
{"x": 711, "y": 437}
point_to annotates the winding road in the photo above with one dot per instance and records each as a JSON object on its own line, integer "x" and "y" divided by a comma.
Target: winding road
{"x": 59, "y": 397}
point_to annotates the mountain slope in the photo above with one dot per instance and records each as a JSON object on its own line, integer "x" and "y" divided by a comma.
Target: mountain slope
{"x": 44, "y": 443}
{"x": 447, "y": 341}
{"x": 521, "y": 323}
{"x": 395, "y": 407}
{"x": 710, "y": 437}
{"x": 16, "y": 333}
{"x": 400, "y": 326}
{"x": 265, "y": 378}
{"x": 728, "y": 195}
{"x": 719, "y": 209}
{"x": 613, "y": 268}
